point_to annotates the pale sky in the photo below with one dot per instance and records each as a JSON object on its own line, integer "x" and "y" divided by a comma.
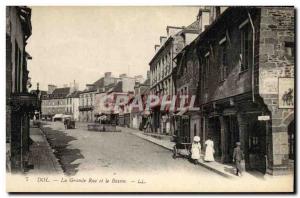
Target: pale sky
{"x": 81, "y": 43}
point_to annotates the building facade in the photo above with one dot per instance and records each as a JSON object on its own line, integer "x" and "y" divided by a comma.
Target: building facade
{"x": 73, "y": 105}
{"x": 20, "y": 105}
{"x": 88, "y": 109}
{"x": 246, "y": 85}
{"x": 161, "y": 67}
{"x": 55, "y": 102}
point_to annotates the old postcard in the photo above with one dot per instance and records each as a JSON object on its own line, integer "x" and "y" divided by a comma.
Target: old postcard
{"x": 150, "y": 99}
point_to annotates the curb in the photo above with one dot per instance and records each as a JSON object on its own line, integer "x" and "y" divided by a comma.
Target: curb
{"x": 165, "y": 147}
{"x": 200, "y": 163}
{"x": 57, "y": 165}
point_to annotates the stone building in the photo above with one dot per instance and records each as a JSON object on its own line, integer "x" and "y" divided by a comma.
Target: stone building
{"x": 246, "y": 85}
{"x": 73, "y": 105}
{"x": 20, "y": 105}
{"x": 138, "y": 117}
{"x": 55, "y": 102}
{"x": 87, "y": 98}
{"x": 161, "y": 67}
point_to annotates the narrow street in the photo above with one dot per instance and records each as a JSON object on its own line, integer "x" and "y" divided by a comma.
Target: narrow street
{"x": 80, "y": 150}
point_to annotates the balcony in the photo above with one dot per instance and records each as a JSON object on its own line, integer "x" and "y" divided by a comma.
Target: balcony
{"x": 25, "y": 102}
{"x": 86, "y": 108}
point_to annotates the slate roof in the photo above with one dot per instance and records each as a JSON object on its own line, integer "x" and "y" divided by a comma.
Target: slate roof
{"x": 58, "y": 93}
{"x": 75, "y": 94}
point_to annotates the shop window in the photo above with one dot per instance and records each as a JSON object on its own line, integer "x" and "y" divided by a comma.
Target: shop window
{"x": 246, "y": 47}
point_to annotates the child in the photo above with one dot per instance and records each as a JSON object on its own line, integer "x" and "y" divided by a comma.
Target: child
{"x": 196, "y": 150}
{"x": 238, "y": 156}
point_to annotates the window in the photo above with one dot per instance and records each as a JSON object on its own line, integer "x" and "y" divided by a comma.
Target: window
{"x": 246, "y": 47}
{"x": 206, "y": 70}
{"x": 289, "y": 49}
{"x": 224, "y": 61}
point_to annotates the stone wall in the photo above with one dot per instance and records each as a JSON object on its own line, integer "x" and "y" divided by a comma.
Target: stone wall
{"x": 275, "y": 62}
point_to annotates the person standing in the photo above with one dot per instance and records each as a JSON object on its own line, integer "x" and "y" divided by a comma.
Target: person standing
{"x": 237, "y": 158}
{"x": 209, "y": 150}
{"x": 196, "y": 150}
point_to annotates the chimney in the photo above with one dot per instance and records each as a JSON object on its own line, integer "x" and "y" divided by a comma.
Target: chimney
{"x": 122, "y": 75}
{"x": 148, "y": 74}
{"x": 51, "y": 88}
{"x": 107, "y": 74}
{"x": 139, "y": 78}
{"x": 89, "y": 86}
{"x": 162, "y": 40}
{"x": 203, "y": 18}
{"x": 156, "y": 47}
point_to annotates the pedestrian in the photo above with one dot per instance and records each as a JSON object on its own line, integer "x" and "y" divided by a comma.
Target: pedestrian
{"x": 209, "y": 150}
{"x": 238, "y": 156}
{"x": 196, "y": 150}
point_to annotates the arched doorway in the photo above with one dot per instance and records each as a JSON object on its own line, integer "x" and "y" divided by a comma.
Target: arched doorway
{"x": 291, "y": 139}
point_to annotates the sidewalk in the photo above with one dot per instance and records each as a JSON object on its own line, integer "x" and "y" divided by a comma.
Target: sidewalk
{"x": 41, "y": 155}
{"x": 221, "y": 169}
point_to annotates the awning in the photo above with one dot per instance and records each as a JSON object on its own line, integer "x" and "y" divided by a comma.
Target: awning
{"x": 58, "y": 116}
{"x": 66, "y": 116}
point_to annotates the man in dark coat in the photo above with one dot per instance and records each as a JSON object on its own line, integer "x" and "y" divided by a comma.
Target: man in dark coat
{"x": 237, "y": 158}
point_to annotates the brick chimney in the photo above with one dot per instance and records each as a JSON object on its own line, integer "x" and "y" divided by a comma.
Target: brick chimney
{"x": 107, "y": 74}
{"x": 89, "y": 86}
{"x": 203, "y": 18}
{"x": 162, "y": 40}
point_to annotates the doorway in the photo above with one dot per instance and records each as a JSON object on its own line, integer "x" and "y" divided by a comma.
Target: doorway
{"x": 291, "y": 140}
{"x": 257, "y": 145}
{"x": 214, "y": 132}
{"x": 233, "y": 136}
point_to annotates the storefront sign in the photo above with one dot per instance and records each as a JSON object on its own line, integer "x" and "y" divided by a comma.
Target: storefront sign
{"x": 263, "y": 118}
{"x": 286, "y": 93}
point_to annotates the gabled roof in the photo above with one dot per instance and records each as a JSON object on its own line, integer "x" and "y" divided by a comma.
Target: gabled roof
{"x": 61, "y": 91}
{"x": 99, "y": 83}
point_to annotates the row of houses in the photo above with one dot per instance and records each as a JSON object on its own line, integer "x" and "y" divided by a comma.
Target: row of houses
{"x": 239, "y": 63}
{"x": 84, "y": 106}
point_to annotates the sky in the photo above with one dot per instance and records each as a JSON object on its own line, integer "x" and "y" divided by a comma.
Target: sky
{"x": 82, "y": 43}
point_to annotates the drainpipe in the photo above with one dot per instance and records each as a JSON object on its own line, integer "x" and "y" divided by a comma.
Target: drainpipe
{"x": 253, "y": 46}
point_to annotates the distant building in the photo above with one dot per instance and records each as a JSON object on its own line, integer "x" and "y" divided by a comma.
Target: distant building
{"x": 138, "y": 117}
{"x": 73, "y": 105}
{"x": 55, "y": 102}
{"x": 87, "y": 98}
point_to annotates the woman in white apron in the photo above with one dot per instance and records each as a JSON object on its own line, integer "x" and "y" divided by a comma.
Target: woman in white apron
{"x": 209, "y": 151}
{"x": 196, "y": 150}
